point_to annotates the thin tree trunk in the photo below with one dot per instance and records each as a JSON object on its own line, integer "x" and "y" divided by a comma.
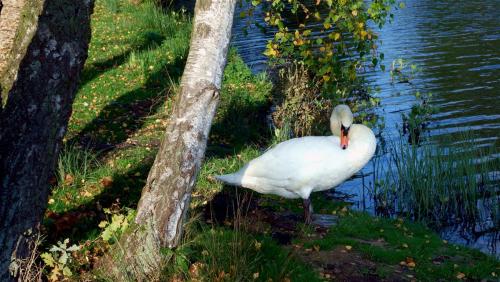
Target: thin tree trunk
{"x": 165, "y": 198}
{"x": 35, "y": 118}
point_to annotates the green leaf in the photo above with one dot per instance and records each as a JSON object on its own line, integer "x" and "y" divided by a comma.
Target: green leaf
{"x": 73, "y": 248}
{"x": 103, "y": 224}
{"x": 55, "y": 248}
{"x": 48, "y": 259}
{"x": 67, "y": 272}
{"x": 63, "y": 259}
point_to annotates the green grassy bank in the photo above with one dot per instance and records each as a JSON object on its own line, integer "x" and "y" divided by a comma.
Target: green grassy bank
{"x": 135, "y": 61}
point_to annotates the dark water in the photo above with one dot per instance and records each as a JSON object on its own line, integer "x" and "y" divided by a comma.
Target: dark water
{"x": 456, "y": 46}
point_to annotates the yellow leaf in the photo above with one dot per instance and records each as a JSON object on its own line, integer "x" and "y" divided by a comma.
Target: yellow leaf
{"x": 54, "y": 274}
{"x": 460, "y": 275}
{"x": 103, "y": 224}
{"x": 258, "y": 245}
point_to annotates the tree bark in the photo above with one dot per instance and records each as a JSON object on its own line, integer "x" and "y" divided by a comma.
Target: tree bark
{"x": 18, "y": 23}
{"x": 165, "y": 198}
{"x": 35, "y": 117}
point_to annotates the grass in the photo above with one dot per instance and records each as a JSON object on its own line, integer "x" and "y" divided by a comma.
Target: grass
{"x": 136, "y": 58}
{"x": 394, "y": 243}
{"x": 226, "y": 254}
{"x": 441, "y": 183}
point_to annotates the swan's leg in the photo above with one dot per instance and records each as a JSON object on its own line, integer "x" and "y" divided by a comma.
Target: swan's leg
{"x": 308, "y": 210}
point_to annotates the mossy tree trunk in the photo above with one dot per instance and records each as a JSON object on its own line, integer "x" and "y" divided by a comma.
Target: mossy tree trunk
{"x": 165, "y": 198}
{"x": 47, "y": 52}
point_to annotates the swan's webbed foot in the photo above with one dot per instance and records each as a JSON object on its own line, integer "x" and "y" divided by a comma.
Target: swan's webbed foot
{"x": 308, "y": 211}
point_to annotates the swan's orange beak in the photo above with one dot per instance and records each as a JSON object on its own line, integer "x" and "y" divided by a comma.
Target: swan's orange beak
{"x": 344, "y": 140}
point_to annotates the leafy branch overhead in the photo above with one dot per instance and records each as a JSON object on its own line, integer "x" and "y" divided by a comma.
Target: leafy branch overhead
{"x": 332, "y": 38}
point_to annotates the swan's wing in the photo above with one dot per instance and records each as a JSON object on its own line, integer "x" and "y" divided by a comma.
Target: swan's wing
{"x": 294, "y": 162}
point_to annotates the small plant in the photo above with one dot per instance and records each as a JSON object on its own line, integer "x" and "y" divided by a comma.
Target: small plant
{"x": 75, "y": 165}
{"x": 59, "y": 260}
{"x": 281, "y": 134}
{"x": 418, "y": 118}
{"x": 113, "y": 228}
{"x": 402, "y": 71}
{"x": 300, "y": 104}
{"x": 30, "y": 268}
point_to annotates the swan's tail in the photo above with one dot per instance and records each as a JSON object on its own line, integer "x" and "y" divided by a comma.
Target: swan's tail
{"x": 230, "y": 179}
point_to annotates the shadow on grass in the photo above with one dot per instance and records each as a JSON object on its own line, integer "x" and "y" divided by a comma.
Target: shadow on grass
{"x": 131, "y": 108}
{"x": 149, "y": 41}
{"x": 243, "y": 124}
{"x": 122, "y": 117}
{"x": 81, "y": 222}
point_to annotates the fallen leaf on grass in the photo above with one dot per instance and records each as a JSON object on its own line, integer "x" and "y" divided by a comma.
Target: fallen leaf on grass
{"x": 106, "y": 181}
{"x": 460, "y": 275}
{"x": 68, "y": 179}
{"x": 194, "y": 269}
{"x": 86, "y": 193}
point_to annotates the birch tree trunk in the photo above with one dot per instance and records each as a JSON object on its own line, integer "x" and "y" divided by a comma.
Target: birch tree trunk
{"x": 165, "y": 198}
{"x": 37, "y": 109}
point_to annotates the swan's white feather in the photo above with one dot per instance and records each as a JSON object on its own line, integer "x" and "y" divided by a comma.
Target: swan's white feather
{"x": 297, "y": 167}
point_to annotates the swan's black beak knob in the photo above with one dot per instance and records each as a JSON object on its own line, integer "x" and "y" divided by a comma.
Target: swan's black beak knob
{"x": 344, "y": 140}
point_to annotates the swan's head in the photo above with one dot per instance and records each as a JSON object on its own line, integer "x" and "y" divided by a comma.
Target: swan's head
{"x": 340, "y": 123}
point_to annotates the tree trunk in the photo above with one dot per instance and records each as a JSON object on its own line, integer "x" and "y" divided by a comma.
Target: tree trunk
{"x": 18, "y": 23}
{"x": 165, "y": 198}
{"x": 35, "y": 116}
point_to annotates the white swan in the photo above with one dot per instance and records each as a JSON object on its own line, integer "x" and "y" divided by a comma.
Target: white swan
{"x": 299, "y": 166}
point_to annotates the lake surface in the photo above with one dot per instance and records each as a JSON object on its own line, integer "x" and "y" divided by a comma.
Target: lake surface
{"x": 456, "y": 46}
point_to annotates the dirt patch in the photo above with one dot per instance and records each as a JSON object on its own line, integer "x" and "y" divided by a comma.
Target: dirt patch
{"x": 342, "y": 264}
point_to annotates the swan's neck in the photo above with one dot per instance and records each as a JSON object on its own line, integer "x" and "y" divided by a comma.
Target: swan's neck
{"x": 362, "y": 143}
